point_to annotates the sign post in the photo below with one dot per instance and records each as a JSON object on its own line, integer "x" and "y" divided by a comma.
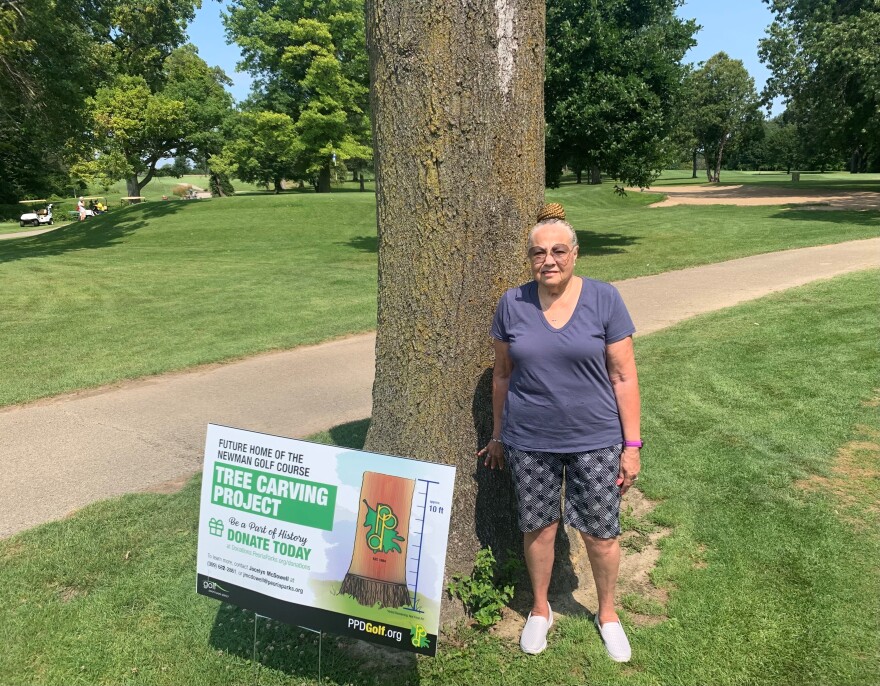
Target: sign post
{"x": 327, "y": 538}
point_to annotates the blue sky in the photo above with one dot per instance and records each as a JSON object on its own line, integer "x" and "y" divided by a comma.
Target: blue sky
{"x": 734, "y": 26}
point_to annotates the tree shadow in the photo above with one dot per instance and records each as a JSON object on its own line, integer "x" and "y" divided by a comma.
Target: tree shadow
{"x": 295, "y": 651}
{"x": 351, "y": 434}
{"x": 94, "y": 233}
{"x": 592, "y": 243}
{"x": 830, "y": 214}
{"x": 496, "y": 519}
{"x": 363, "y": 243}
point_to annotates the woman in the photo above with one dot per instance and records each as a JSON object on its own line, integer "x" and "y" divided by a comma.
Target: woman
{"x": 566, "y": 399}
{"x": 81, "y": 208}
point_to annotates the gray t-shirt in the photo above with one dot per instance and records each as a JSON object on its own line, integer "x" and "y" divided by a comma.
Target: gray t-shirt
{"x": 560, "y": 398}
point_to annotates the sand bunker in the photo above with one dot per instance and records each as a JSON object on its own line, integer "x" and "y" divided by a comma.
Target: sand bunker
{"x": 767, "y": 195}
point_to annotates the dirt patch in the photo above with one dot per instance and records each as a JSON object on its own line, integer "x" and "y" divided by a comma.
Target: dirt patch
{"x": 577, "y": 595}
{"x": 172, "y": 486}
{"x": 854, "y": 477}
{"x": 766, "y": 195}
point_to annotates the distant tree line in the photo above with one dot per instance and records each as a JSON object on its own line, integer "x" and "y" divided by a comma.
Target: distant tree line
{"x": 92, "y": 91}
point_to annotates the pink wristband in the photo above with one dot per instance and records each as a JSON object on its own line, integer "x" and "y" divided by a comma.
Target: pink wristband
{"x": 632, "y": 444}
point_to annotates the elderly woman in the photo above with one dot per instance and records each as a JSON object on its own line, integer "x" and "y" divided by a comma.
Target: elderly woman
{"x": 566, "y": 401}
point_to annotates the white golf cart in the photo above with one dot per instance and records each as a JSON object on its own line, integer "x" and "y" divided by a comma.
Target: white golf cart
{"x": 36, "y": 216}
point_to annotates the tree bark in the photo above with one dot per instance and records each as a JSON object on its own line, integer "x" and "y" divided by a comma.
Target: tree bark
{"x": 323, "y": 180}
{"x": 717, "y": 175}
{"x": 132, "y": 187}
{"x": 595, "y": 176}
{"x": 694, "y": 175}
{"x": 458, "y": 123}
{"x": 276, "y": 182}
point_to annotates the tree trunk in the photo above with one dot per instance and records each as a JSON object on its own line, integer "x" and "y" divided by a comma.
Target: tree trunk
{"x": 694, "y": 175}
{"x": 323, "y": 180}
{"x": 716, "y": 178}
{"x": 578, "y": 175}
{"x": 132, "y": 187}
{"x": 595, "y": 176}
{"x": 458, "y": 123}
{"x": 361, "y": 179}
{"x": 276, "y": 182}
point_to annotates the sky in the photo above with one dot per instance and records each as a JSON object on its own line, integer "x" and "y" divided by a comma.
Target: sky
{"x": 734, "y": 26}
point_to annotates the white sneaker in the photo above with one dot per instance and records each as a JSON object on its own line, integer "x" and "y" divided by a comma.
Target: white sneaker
{"x": 616, "y": 642}
{"x": 534, "y": 635}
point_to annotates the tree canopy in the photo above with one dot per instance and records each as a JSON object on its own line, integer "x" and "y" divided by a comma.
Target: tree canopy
{"x": 46, "y": 61}
{"x": 134, "y": 126}
{"x": 613, "y": 86}
{"x": 309, "y": 61}
{"x": 823, "y": 58}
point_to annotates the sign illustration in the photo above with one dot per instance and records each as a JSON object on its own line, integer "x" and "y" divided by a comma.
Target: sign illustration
{"x": 323, "y": 537}
{"x": 377, "y": 573}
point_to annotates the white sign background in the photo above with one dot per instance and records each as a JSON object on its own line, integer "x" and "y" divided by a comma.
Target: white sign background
{"x": 252, "y": 555}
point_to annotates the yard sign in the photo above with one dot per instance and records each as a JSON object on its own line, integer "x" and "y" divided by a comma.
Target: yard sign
{"x": 328, "y": 538}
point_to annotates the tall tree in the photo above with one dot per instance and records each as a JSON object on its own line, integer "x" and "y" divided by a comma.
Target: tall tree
{"x": 822, "y": 55}
{"x": 613, "y": 86}
{"x": 263, "y": 148}
{"x": 726, "y": 105}
{"x": 135, "y": 127}
{"x": 309, "y": 61}
{"x": 456, "y": 92}
{"x": 46, "y": 66}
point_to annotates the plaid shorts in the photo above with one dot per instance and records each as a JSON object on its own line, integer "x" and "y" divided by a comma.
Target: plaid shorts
{"x": 592, "y": 496}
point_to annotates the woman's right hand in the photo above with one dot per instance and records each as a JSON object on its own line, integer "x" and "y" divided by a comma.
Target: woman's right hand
{"x": 493, "y": 455}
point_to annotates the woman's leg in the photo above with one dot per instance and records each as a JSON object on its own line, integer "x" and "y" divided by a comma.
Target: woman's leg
{"x": 539, "y": 548}
{"x": 604, "y": 554}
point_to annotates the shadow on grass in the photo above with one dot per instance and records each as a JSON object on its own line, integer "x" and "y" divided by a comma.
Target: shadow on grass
{"x": 351, "y": 435}
{"x": 94, "y": 233}
{"x": 364, "y": 243}
{"x": 835, "y": 216}
{"x": 350, "y": 188}
{"x": 295, "y": 651}
{"x": 595, "y": 244}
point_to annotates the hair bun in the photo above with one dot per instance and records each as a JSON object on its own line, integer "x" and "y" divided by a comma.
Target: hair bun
{"x": 552, "y": 210}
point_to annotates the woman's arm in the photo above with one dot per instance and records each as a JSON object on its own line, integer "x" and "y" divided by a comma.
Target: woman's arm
{"x": 494, "y": 452}
{"x": 620, "y": 360}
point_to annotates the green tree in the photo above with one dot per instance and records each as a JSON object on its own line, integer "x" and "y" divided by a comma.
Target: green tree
{"x": 263, "y": 149}
{"x": 725, "y": 108}
{"x": 613, "y": 86}
{"x": 46, "y": 64}
{"x": 822, "y": 55}
{"x": 133, "y": 127}
{"x": 309, "y": 62}
{"x": 136, "y": 37}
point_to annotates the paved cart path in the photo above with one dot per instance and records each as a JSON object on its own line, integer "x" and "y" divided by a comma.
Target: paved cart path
{"x": 66, "y": 452}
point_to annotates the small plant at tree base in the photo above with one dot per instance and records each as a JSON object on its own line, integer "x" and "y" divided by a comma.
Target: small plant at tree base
{"x": 483, "y": 593}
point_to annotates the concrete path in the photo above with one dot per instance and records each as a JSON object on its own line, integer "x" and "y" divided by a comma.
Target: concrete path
{"x": 63, "y": 453}
{"x": 34, "y": 232}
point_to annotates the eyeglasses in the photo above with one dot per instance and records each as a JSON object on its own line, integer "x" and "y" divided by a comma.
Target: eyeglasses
{"x": 560, "y": 252}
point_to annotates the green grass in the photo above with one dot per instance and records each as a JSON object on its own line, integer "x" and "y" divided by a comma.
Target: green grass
{"x": 165, "y": 286}
{"x": 739, "y": 405}
{"x": 809, "y": 180}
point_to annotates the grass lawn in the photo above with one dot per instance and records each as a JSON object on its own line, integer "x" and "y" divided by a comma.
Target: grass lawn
{"x": 164, "y": 286}
{"x": 762, "y": 424}
{"x": 809, "y": 180}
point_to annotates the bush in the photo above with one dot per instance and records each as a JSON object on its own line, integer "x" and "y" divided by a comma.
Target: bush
{"x": 484, "y": 593}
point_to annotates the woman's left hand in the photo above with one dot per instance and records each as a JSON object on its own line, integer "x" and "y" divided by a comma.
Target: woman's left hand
{"x": 630, "y": 466}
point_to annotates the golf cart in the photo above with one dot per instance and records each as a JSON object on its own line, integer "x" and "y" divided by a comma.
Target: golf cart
{"x": 95, "y": 205}
{"x": 36, "y": 217}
